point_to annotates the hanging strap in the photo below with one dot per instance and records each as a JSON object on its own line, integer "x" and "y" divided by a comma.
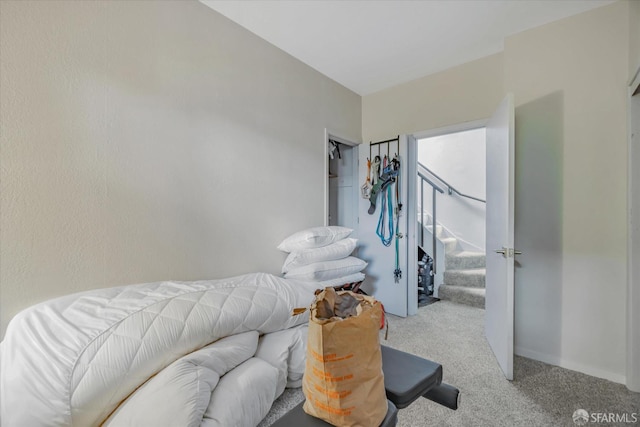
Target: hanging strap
{"x": 376, "y": 170}
{"x": 386, "y": 208}
{"x": 396, "y": 167}
{"x": 366, "y": 187}
{"x": 397, "y": 273}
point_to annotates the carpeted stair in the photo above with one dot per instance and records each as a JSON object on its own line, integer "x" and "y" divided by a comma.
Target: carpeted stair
{"x": 464, "y": 272}
{"x": 464, "y": 278}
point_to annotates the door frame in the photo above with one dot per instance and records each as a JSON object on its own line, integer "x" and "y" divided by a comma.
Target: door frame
{"x": 412, "y": 220}
{"x": 633, "y": 241}
{"x": 460, "y": 127}
{"x": 329, "y": 134}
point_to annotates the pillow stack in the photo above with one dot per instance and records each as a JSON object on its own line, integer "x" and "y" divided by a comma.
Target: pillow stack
{"x": 322, "y": 254}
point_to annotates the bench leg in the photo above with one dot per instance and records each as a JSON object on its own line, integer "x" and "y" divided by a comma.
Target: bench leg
{"x": 445, "y": 395}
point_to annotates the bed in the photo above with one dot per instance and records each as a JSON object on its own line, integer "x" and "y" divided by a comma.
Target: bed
{"x": 206, "y": 353}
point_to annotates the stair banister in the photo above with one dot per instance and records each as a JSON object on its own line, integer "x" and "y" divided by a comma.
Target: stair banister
{"x": 450, "y": 189}
{"x": 433, "y": 231}
{"x": 435, "y": 189}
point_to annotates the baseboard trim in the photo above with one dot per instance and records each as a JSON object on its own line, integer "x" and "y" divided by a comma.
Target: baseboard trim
{"x": 573, "y": 366}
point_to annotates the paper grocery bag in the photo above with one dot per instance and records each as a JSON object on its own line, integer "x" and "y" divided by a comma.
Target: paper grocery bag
{"x": 343, "y": 381}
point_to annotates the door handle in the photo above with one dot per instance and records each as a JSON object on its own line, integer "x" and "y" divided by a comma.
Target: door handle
{"x": 507, "y": 252}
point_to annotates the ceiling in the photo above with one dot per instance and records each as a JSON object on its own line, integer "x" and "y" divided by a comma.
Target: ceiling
{"x": 370, "y": 45}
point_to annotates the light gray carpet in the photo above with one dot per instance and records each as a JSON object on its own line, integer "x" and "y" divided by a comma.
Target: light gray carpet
{"x": 540, "y": 395}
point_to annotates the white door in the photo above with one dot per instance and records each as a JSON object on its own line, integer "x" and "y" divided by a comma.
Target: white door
{"x": 380, "y": 281}
{"x": 500, "y": 234}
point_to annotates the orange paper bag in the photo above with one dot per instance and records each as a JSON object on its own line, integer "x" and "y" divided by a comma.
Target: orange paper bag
{"x": 343, "y": 381}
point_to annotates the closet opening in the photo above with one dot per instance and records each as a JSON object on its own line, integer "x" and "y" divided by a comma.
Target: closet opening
{"x": 341, "y": 205}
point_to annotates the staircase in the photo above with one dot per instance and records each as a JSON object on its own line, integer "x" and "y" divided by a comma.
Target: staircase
{"x": 461, "y": 276}
{"x": 464, "y": 278}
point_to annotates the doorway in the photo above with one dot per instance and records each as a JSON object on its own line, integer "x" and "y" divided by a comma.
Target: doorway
{"x": 451, "y": 216}
{"x": 499, "y": 228}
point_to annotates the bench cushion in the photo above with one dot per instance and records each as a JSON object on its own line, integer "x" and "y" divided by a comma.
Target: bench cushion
{"x": 407, "y": 377}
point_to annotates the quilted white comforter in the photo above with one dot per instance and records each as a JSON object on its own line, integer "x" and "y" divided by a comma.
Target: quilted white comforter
{"x": 210, "y": 353}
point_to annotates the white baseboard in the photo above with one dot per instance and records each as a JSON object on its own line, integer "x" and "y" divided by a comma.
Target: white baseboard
{"x": 573, "y": 366}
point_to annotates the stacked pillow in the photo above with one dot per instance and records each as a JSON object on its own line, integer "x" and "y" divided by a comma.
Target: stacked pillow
{"x": 322, "y": 254}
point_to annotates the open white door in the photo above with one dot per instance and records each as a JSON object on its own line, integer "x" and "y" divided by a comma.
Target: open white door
{"x": 500, "y": 234}
{"x": 380, "y": 281}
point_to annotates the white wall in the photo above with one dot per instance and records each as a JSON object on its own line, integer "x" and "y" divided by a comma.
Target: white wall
{"x": 571, "y": 286}
{"x": 459, "y": 159}
{"x": 633, "y": 302}
{"x": 465, "y": 93}
{"x": 151, "y": 140}
{"x": 633, "y": 299}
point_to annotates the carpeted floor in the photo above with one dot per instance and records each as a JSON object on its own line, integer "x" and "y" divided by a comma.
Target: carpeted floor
{"x": 540, "y": 395}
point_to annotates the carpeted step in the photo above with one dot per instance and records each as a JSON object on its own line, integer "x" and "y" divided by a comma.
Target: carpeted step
{"x": 462, "y": 295}
{"x": 450, "y": 244}
{"x": 439, "y": 230}
{"x": 472, "y": 278}
{"x": 464, "y": 260}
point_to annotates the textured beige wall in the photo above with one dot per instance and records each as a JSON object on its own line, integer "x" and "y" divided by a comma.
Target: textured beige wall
{"x": 145, "y": 141}
{"x": 583, "y": 59}
{"x": 464, "y": 93}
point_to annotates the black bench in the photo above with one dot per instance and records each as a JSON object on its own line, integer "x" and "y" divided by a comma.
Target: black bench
{"x": 406, "y": 378}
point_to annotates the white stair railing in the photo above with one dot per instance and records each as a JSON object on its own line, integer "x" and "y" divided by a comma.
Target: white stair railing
{"x": 425, "y": 175}
{"x": 434, "y": 192}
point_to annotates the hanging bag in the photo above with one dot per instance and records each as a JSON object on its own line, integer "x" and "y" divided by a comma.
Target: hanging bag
{"x": 343, "y": 381}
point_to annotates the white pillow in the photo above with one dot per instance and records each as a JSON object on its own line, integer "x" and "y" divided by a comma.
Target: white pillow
{"x": 327, "y": 270}
{"x": 351, "y": 278}
{"x": 338, "y": 250}
{"x": 243, "y": 396}
{"x": 315, "y": 237}
{"x": 286, "y": 351}
{"x": 180, "y": 393}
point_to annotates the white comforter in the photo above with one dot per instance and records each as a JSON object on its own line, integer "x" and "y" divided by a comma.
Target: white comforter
{"x": 161, "y": 354}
